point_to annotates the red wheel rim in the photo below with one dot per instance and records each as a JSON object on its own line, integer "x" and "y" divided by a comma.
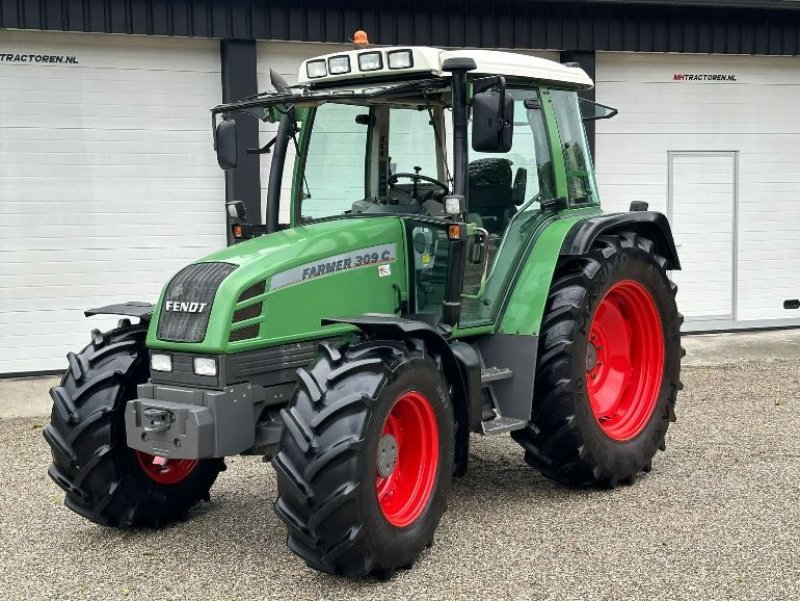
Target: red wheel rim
{"x": 625, "y": 360}
{"x": 408, "y": 457}
{"x": 164, "y": 470}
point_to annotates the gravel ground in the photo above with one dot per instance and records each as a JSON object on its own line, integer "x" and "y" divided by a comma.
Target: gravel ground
{"x": 718, "y": 518}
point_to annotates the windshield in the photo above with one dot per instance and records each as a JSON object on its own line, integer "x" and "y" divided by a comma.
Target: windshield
{"x": 373, "y": 158}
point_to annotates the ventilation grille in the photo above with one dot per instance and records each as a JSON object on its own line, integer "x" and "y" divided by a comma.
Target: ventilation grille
{"x": 248, "y": 312}
{"x": 187, "y": 302}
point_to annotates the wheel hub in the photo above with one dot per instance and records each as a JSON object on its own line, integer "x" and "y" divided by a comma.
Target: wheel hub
{"x": 591, "y": 356}
{"x": 387, "y": 455}
{"x": 407, "y": 459}
{"x": 164, "y": 470}
{"x": 624, "y": 360}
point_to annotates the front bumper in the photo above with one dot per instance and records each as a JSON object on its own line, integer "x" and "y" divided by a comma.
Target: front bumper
{"x": 190, "y": 423}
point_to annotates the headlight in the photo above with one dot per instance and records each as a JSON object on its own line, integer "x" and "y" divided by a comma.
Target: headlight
{"x": 205, "y": 366}
{"x": 370, "y": 61}
{"x": 337, "y": 65}
{"x": 400, "y": 59}
{"x": 160, "y": 362}
{"x": 316, "y": 69}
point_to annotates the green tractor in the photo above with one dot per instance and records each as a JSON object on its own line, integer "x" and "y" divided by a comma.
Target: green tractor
{"x": 441, "y": 267}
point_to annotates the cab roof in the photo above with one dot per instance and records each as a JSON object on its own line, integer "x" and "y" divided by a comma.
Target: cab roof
{"x": 429, "y": 60}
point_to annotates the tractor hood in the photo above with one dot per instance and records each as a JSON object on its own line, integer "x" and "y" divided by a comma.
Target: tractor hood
{"x": 276, "y": 289}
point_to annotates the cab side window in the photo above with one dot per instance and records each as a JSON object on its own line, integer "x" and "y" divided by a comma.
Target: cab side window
{"x": 499, "y": 184}
{"x": 581, "y": 186}
{"x": 502, "y": 188}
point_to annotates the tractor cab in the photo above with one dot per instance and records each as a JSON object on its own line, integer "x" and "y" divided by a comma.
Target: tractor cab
{"x": 470, "y": 148}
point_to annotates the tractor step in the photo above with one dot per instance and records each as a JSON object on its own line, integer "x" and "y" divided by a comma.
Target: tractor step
{"x": 501, "y": 425}
{"x": 493, "y": 374}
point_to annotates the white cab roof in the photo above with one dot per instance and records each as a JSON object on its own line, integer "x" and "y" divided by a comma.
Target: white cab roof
{"x": 430, "y": 60}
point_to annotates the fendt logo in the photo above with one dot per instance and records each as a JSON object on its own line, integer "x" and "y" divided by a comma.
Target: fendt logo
{"x": 184, "y": 307}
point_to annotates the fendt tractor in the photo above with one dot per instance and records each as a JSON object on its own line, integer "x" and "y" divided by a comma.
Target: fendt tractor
{"x": 440, "y": 268}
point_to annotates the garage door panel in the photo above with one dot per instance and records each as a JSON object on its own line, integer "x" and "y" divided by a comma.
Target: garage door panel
{"x": 114, "y": 196}
{"x": 143, "y": 138}
{"x": 101, "y": 243}
{"x": 108, "y": 181}
{"x": 107, "y": 218}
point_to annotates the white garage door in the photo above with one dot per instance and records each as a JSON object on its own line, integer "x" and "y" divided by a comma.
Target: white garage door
{"x": 285, "y": 58}
{"x": 723, "y": 131}
{"x": 108, "y": 181}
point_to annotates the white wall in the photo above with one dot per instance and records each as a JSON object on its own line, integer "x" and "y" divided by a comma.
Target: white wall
{"x": 757, "y": 115}
{"x": 108, "y": 182}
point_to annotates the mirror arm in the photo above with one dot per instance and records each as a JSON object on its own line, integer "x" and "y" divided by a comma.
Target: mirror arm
{"x": 266, "y": 149}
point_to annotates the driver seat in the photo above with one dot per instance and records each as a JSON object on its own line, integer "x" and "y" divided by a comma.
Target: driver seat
{"x": 491, "y": 194}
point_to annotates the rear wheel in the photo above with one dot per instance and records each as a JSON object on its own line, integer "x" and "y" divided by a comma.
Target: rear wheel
{"x": 106, "y": 481}
{"x": 366, "y": 458}
{"x": 608, "y": 368}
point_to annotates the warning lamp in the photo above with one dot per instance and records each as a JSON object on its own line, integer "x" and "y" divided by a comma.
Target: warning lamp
{"x": 237, "y": 230}
{"x": 360, "y": 39}
{"x": 454, "y": 231}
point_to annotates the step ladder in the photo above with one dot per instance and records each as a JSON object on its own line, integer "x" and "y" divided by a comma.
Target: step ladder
{"x": 498, "y": 424}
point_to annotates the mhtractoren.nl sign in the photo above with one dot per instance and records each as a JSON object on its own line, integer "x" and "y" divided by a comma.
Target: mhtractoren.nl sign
{"x": 54, "y": 59}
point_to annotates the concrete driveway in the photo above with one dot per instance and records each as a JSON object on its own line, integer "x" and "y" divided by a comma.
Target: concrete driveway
{"x": 718, "y": 518}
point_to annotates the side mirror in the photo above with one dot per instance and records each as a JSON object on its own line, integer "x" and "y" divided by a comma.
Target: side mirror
{"x": 225, "y": 144}
{"x": 492, "y": 120}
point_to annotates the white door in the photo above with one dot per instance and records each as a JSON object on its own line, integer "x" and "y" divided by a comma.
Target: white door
{"x": 702, "y": 210}
{"x": 108, "y": 181}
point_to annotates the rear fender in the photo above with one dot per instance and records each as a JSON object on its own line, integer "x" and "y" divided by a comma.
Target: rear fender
{"x": 650, "y": 224}
{"x": 571, "y": 237}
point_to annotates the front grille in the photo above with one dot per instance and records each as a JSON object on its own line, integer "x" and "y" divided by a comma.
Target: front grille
{"x": 272, "y": 365}
{"x": 192, "y": 291}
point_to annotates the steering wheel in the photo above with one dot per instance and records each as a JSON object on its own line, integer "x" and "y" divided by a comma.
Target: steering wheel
{"x": 416, "y": 177}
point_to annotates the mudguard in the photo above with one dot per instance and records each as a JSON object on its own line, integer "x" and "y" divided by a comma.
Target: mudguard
{"x": 572, "y": 235}
{"x": 143, "y": 311}
{"x": 651, "y": 224}
{"x": 459, "y": 373}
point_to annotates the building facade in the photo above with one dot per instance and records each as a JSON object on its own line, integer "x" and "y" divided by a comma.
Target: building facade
{"x": 108, "y": 181}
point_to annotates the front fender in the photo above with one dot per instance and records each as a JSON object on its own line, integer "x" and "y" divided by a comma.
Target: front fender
{"x": 459, "y": 362}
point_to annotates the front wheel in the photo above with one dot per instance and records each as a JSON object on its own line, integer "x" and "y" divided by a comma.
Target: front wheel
{"x": 106, "y": 481}
{"x": 366, "y": 458}
{"x": 608, "y": 368}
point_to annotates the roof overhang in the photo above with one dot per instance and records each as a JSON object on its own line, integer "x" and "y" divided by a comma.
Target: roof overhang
{"x": 427, "y": 60}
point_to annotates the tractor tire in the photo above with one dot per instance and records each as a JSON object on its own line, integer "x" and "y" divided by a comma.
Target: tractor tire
{"x": 608, "y": 369}
{"x": 366, "y": 458}
{"x": 106, "y": 481}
